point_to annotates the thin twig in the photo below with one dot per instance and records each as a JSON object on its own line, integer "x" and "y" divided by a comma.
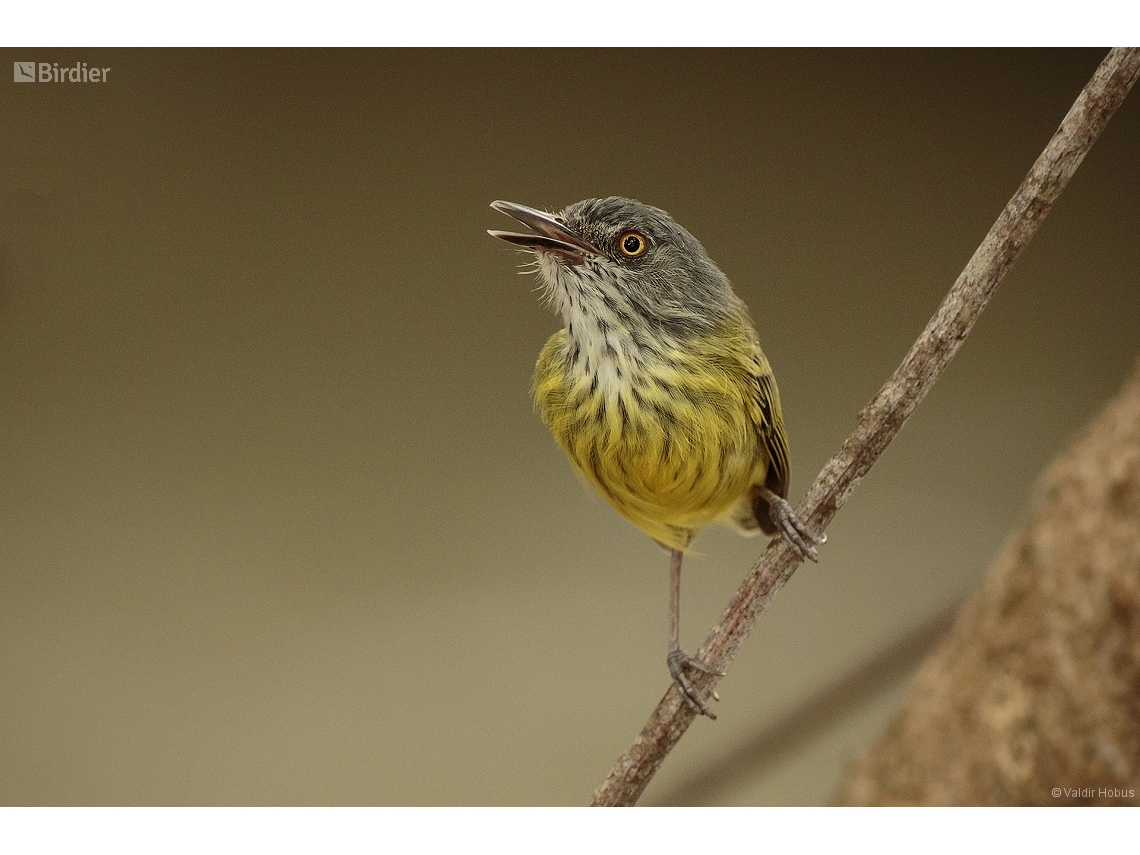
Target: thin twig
{"x": 882, "y": 418}
{"x": 751, "y": 756}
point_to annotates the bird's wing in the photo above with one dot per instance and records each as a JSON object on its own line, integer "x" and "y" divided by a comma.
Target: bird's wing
{"x": 770, "y": 426}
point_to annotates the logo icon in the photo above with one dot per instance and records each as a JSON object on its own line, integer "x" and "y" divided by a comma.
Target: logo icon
{"x": 24, "y": 72}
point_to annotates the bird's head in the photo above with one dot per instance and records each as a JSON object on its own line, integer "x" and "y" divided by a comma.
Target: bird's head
{"x": 619, "y": 256}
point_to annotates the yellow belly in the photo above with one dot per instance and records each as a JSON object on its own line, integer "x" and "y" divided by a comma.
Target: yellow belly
{"x": 671, "y": 446}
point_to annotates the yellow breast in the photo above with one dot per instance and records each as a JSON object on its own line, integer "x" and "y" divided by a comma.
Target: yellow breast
{"x": 669, "y": 440}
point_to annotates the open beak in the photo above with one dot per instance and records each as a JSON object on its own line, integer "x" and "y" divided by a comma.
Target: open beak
{"x": 553, "y": 233}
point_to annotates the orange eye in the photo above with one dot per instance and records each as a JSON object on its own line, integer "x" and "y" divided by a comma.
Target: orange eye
{"x": 633, "y": 244}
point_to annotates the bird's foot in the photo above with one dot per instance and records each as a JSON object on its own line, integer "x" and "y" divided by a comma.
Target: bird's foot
{"x": 678, "y": 660}
{"x": 793, "y": 530}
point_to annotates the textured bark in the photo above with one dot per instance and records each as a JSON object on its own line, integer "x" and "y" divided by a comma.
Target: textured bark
{"x": 882, "y": 418}
{"x": 1037, "y": 687}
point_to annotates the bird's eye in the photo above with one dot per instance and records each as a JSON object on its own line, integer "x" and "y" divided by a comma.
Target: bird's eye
{"x": 633, "y": 244}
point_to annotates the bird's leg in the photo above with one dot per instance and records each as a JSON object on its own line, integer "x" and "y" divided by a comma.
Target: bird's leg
{"x": 678, "y": 660}
{"x": 790, "y": 526}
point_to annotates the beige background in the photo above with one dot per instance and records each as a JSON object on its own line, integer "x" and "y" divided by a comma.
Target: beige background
{"x": 278, "y": 523}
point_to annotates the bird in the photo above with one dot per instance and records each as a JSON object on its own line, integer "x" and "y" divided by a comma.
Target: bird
{"x": 656, "y": 387}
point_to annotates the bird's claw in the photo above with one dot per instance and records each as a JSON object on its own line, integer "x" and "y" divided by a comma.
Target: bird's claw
{"x": 678, "y": 660}
{"x": 793, "y": 530}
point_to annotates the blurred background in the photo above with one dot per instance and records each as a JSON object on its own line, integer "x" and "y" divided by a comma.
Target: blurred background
{"x": 278, "y": 522}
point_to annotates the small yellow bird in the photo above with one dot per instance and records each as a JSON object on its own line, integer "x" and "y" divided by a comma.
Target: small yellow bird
{"x": 656, "y": 388}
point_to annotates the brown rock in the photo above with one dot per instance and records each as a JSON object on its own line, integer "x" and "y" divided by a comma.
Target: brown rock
{"x": 1034, "y": 696}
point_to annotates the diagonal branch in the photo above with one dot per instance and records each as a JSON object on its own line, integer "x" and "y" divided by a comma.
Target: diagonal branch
{"x": 882, "y": 418}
